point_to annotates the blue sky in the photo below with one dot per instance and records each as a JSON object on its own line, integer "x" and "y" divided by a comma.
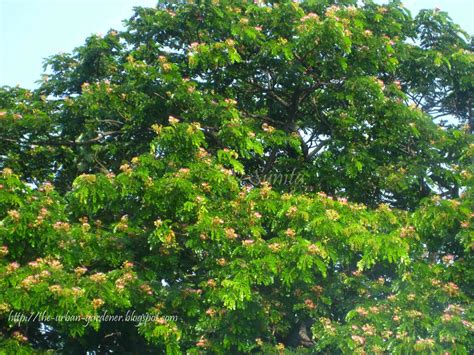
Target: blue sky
{"x": 31, "y": 30}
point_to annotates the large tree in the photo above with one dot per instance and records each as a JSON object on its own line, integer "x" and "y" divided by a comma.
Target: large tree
{"x": 254, "y": 176}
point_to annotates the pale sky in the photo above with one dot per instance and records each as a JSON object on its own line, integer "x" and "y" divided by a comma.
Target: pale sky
{"x": 31, "y": 30}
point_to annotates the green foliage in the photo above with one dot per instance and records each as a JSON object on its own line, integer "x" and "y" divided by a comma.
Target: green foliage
{"x": 125, "y": 185}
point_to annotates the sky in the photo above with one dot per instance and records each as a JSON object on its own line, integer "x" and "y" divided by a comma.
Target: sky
{"x": 31, "y": 30}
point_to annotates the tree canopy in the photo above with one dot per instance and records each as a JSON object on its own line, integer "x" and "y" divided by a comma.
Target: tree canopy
{"x": 127, "y": 184}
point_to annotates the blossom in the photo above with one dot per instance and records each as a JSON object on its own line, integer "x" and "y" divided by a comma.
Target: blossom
{"x": 221, "y": 261}
{"x": 202, "y": 343}
{"x": 147, "y": 289}
{"x": 362, "y": 311}
{"x": 77, "y": 291}
{"x": 330, "y": 11}
{"x": 310, "y": 16}
{"x": 85, "y": 227}
{"x": 358, "y": 339}
{"x": 161, "y": 321}
{"x": 97, "y": 303}
{"x": 98, "y": 277}
{"x": 267, "y": 128}
{"x": 332, "y": 215}
{"x": 28, "y": 281}
{"x": 166, "y": 67}
{"x": 4, "y": 308}
{"x": 19, "y": 337}
{"x": 274, "y": 247}
{"x": 368, "y": 329}
{"x": 468, "y": 324}
{"x": 80, "y": 270}
{"x": 290, "y": 232}
{"x": 230, "y": 101}
{"x": 125, "y": 168}
{"x": 446, "y": 317}
{"x": 309, "y": 304}
{"x": 211, "y": 283}
{"x": 173, "y": 120}
{"x": 12, "y": 266}
{"x": 55, "y": 289}
{"x": 247, "y": 242}
{"x": 451, "y": 289}
{"x": 292, "y": 211}
{"x": 33, "y": 264}
{"x": 3, "y": 250}
{"x": 391, "y": 298}
{"x": 448, "y": 259}
{"x": 387, "y": 334}
{"x": 426, "y": 343}
{"x": 54, "y": 264}
{"x": 314, "y": 249}
{"x": 342, "y": 200}
{"x": 374, "y": 310}
{"x": 120, "y": 284}
{"x": 230, "y": 233}
{"x": 14, "y": 214}
{"x": 317, "y": 289}
{"x": 453, "y": 308}
{"x": 407, "y": 231}
{"x": 211, "y": 312}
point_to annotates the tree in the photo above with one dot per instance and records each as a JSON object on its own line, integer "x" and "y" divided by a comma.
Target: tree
{"x": 125, "y": 186}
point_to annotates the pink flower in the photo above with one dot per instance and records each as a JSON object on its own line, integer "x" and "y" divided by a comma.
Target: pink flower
{"x": 210, "y": 312}
{"x": 97, "y": 303}
{"x": 12, "y": 266}
{"x": 358, "y": 339}
{"x": 14, "y": 214}
{"x": 292, "y": 211}
{"x": 362, "y": 311}
{"x": 230, "y": 233}
{"x": 342, "y": 200}
{"x": 267, "y": 128}
{"x": 202, "y": 343}
{"x": 310, "y": 16}
{"x": 173, "y": 120}
{"x": 290, "y": 233}
{"x": 98, "y": 277}
{"x": 449, "y": 258}
{"x": 310, "y": 304}
{"x": 451, "y": 289}
{"x": 3, "y": 250}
